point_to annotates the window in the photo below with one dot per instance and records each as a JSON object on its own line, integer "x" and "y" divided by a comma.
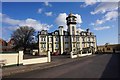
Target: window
{"x": 89, "y": 45}
{"x": 50, "y": 39}
{"x": 78, "y": 45}
{"x": 50, "y": 45}
{"x": 73, "y": 19}
{"x": 66, "y": 33}
{"x": 66, "y": 39}
{"x": 56, "y": 39}
{"x": 66, "y": 45}
{"x": 83, "y": 45}
{"x": 88, "y": 38}
{"x": 77, "y": 38}
{"x": 108, "y": 48}
{"x": 41, "y": 39}
{"x": 44, "y": 39}
{"x": 93, "y": 39}
{"x": 56, "y": 33}
{"x": 57, "y": 46}
{"x": 73, "y": 45}
{"x": 72, "y": 28}
{"x": 73, "y": 38}
{"x": 43, "y": 45}
{"x": 73, "y": 49}
{"x": 42, "y": 32}
{"x": 83, "y": 39}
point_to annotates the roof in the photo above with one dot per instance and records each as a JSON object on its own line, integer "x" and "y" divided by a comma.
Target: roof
{"x": 109, "y": 45}
{"x": 71, "y": 15}
{"x": 3, "y": 42}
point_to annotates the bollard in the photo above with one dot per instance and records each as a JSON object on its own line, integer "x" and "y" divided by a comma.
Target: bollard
{"x": 71, "y": 54}
{"x": 78, "y": 54}
{"x": 87, "y": 52}
{"x": 49, "y": 56}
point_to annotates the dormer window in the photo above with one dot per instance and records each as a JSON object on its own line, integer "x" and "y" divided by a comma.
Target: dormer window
{"x": 56, "y": 33}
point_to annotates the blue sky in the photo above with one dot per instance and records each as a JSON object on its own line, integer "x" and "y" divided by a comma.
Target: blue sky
{"x": 101, "y": 18}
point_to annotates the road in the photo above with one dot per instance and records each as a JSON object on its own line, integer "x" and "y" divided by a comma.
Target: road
{"x": 98, "y": 66}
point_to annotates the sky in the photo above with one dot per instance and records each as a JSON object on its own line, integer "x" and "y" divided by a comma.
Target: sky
{"x": 100, "y": 17}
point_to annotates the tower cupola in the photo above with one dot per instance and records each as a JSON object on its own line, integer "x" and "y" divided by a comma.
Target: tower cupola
{"x": 71, "y": 19}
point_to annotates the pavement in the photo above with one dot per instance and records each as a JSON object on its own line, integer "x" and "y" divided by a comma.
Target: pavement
{"x": 56, "y": 61}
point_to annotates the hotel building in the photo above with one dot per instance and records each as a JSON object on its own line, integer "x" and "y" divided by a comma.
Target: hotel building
{"x": 66, "y": 41}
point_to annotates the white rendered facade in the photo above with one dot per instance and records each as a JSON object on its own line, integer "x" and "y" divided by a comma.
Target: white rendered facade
{"x": 66, "y": 41}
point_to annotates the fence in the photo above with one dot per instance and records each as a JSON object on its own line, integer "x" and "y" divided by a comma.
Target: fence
{"x": 9, "y": 59}
{"x": 79, "y": 53}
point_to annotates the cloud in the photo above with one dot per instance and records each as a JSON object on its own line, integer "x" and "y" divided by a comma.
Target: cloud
{"x": 80, "y": 29}
{"x": 40, "y": 10}
{"x": 0, "y": 17}
{"x": 48, "y": 13}
{"x": 102, "y": 28}
{"x": 109, "y": 10}
{"x": 100, "y": 21}
{"x": 88, "y": 2}
{"x": 14, "y": 24}
{"x": 109, "y": 16}
{"x": 47, "y": 4}
{"x": 61, "y": 20}
{"x": 79, "y": 19}
{"x": 104, "y": 7}
{"x": 8, "y": 20}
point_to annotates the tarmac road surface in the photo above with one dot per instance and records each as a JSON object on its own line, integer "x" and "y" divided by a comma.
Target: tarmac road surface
{"x": 99, "y": 66}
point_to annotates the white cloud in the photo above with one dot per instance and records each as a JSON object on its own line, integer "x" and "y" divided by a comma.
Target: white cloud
{"x": 27, "y": 22}
{"x": 92, "y": 24}
{"x": 48, "y": 13}
{"x": 79, "y": 19}
{"x": 102, "y": 28}
{"x": 12, "y": 28}
{"x": 88, "y": 2}
{"x": 8, "y": 20}
{"x": 99, "y": 21}
{"x": 35, "y": 24}
{"x": 11, "y": 21}
{"x": 40, "y": 10}
{"x": 104, "y": 7}
{"x": 109, "y": 0}
{"x": 0, "y": 17}
{"x": 109, "y": 11}
{"x": 112, "y": 15}
{"x": 47, "y": 4}
{"x": 61, "y": 20}
{"x": 80, "y": 29}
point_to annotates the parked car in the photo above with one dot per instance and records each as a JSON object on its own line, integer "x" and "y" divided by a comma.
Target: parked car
{"x": 56, "y": 53}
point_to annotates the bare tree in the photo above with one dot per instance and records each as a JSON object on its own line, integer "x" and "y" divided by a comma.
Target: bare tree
{"x": 23, "y": 37}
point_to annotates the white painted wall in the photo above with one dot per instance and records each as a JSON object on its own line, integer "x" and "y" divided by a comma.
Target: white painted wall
{"x": 12, "y": 58}
{"x": 35, "y": 61}
{"x": 17, "y": 58}
{"x": 79, "y": 55}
